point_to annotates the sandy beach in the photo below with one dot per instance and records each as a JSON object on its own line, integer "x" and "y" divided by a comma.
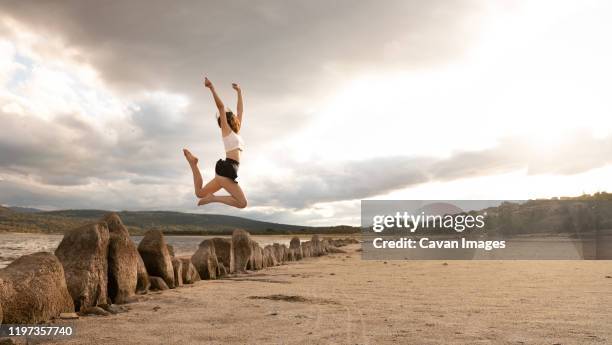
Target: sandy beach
{"x": 342, "y": 299}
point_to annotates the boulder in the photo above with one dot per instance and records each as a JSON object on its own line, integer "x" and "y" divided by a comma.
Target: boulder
{"x": 241, "y": 249}
{"x": 285, "y": 252}
{"x": 296, "y": 248}
{"x": 170, "y": 249}
{"x": 324, "y": 246}
{"x": 274, "y": 255}
{"x": 261, "y": 254}
{"x": 270, "y": 256}
{"x": 143, "y": 284}
{"x": 33, "y": 290}
{"x": 156, "y": 257}
{"x": 223, "y": 249}
{"x": 190, "y": 274}
{"x": 158, "y": 283}
{"x": 278, "y": 253}
{"x": 83, "y": 253}
{"x": 177, "y": 267}
{"x": 265, "y": 258}
{"x": 315, "y": 244}
{"x": 306, "y": 249}
{"x": 205, "y": 260}
{"x": 256, "y": 259}
{"x": 122, "y": 261}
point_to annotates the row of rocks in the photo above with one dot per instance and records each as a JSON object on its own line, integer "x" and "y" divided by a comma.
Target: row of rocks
{"x": 99, "y": 265}
{"x": 218, "y": 257}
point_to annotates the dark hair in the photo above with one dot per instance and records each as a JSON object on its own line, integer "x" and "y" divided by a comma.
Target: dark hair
{"x": 232, "y": 121}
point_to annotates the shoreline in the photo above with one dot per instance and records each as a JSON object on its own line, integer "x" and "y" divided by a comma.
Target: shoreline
{"x": 57, "y": 238}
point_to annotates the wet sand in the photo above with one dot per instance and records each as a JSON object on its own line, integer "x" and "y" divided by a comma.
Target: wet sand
{"x": 341, "y": 299}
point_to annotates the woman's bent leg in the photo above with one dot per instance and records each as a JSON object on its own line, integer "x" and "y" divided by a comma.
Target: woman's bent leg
{"x": 211, "y": 187}
{"x": 235, "y": 199}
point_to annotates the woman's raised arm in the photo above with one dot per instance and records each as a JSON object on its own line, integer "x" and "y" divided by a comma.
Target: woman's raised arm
{"x": 225, "y": 129}
{"x": 239, "y": 107}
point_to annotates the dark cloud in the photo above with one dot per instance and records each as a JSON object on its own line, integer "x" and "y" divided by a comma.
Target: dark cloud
{"x": 276, "y": 49}
{"x": 70, "y": 151}
{"x": 121, "y": 196}
{"x": 270, "y": 44}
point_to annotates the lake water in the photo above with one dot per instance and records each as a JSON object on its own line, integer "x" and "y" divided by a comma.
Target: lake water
{"x": 14, "y": 245}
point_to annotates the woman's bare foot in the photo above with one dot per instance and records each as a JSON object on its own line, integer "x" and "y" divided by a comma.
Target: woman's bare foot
{"x": 205, "y": 200}
{"x": 190, "y": 157}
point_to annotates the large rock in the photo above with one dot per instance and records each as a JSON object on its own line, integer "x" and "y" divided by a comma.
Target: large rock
{"x": 265, "y": 257}
{"x": 83, "y": 253}
{"x": 156, "y": 257}
{"x": 158, "y": 283}
{"x": 177, "y": 267}
{"x": 324, "y": 246}
{"x": 278, "y": 253}
{"x": 205, "y": 260}
{"x": 143, "y": 284}
{"x": 122, "y": 261}
{"x": 241, "y": 249}
{"x": 256, "y": 259}
{"x": 223, "y": 249}
{"x": 270, "y": 256}
{"x": 306, "y": 249}
{"x": 295, "y": 248}
{"x": 33, "y": 290}
{"x": 190, "y": 274}
{"x": 315, "y": 244}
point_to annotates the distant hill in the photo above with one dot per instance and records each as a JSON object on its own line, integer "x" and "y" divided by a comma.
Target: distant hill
{"x": 24, "y": 209}
{"x": 573, "y": 215}
{"x": 169, "y": 222}
{"x": 4, "y": 209}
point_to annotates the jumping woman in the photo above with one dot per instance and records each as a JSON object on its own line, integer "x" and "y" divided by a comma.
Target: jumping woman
{"x": 226, "y": 170}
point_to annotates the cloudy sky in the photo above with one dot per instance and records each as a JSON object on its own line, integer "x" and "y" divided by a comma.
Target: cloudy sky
{"x": 344, "y": 101}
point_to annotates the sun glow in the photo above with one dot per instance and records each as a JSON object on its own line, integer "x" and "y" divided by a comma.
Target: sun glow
{"x": 536, "y": 72}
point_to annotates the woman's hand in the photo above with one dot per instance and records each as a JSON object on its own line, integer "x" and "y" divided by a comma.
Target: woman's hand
{"x": 208, "y": 83}
{"x": 236, "y": 87}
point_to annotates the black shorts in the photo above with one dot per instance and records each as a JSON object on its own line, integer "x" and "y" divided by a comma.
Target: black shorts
{"x": 227, "y": 168}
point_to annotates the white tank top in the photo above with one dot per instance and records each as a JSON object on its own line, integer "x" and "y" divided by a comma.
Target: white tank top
{"x": 233, "y": 141}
